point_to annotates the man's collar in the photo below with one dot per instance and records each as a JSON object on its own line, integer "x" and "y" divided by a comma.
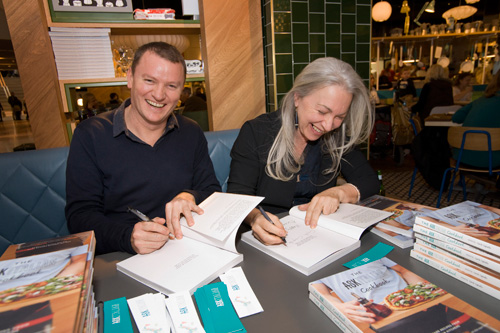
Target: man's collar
{"x": 119, "y": 125}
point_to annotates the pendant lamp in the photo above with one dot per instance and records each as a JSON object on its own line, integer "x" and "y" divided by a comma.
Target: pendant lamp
{"x": 430, "y": 7}
{"x": 381, "y": 11}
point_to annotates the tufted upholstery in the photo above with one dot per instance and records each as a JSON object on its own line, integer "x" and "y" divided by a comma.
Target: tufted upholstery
{"x": 33, "y": 189}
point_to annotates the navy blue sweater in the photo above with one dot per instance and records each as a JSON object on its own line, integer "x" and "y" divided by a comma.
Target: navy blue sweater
{"x": 109, "y": 169}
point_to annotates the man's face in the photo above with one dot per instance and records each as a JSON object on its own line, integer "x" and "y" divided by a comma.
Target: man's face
{"x": 155, "y": 87}
{"x": 405, "y": 75}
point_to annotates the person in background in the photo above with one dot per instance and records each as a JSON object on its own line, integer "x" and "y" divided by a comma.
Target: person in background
{"x": 192, "y": 102}
{"x": 462, "y": 88}
{"x": 389, "y": 72}
{"x": 373, "y": 90}
{"x": 437, "y": 91}
{"x": 16, "y": 105}
{"x": 295, "y": 155}
{"x": 405, "y": 86}
{"x": 483, "y": 112}
{"x": 114, "y": 100}
{"x": 139, "y": 155}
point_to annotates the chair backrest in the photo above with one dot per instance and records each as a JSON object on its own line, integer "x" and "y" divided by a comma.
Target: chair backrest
{"x": 219, "y": 149}
{"x": 445, "y": 109}
{"x": 476, "y": 138}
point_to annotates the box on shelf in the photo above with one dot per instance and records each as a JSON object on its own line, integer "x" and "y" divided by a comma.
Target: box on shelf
{"x": 154, "y": 14}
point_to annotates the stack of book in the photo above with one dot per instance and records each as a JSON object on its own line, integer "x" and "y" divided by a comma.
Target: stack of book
{"x": 397, "y": 228}
{"x": 462, "y": 241}
{"x": 82, "y": 53}
{"x": 46, "y": 285}
{"x": 394, "y": 300}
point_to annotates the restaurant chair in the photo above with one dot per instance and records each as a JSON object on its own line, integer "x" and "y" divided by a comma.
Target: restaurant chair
{"x": 479, "y": 139}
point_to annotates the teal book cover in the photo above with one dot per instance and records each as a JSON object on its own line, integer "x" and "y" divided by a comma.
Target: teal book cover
{"x": 216, "y": 309}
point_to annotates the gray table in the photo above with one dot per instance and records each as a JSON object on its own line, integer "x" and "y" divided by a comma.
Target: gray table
{"x": 282, "y": 291}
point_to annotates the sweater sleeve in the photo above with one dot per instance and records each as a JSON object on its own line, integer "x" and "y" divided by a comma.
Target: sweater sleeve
{"x": 85, "y": 199}
{"x": 357, "y": 171}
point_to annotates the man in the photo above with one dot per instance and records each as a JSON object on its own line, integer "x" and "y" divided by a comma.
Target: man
{"x": 142, "y": 156}
{"x": 192, "y": 102}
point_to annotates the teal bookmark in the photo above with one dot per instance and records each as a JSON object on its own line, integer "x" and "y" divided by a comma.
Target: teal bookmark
{"x": 375, "y": 253}
{"x": 117, "y": 317}
{"x": 216, "y": 309}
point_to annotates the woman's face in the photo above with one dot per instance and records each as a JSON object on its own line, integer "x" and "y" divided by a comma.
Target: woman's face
{"x": 321, "y": 111}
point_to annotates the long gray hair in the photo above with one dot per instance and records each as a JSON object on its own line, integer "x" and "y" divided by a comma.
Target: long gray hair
{"x": 356, "y": 127}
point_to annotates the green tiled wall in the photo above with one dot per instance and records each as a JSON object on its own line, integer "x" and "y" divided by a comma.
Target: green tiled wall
{"x": 299, "y": 31}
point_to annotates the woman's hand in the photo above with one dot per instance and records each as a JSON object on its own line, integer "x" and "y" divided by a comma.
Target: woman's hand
{"x": 265, "y": 231}
{"x": 327, "y": 202}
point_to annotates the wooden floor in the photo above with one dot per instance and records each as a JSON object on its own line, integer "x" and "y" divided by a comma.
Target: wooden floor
{"x": 14, "y": 133}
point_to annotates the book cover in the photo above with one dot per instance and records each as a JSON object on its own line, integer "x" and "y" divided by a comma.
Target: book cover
{"x": 403, "y": 218}
{"x": 393, "y": 237}
{"x": 207, "y": 249}
{"x": 308, "y": 250}
{"x": 382, "y": 296}
{"x": 470, "y": 222}
{"x": 43, "y": 286}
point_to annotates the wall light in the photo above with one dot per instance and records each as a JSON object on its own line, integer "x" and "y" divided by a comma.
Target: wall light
{"x": 381, "y": 11}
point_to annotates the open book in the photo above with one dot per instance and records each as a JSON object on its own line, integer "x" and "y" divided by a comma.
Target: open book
{"x": 309, "y": 250}
{"x": 206, "y": 250}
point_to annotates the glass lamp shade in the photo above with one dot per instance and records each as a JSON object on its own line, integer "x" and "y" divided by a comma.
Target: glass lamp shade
{"x": 381, "y": 11}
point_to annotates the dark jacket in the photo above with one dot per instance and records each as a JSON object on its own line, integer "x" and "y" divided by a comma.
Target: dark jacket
{"x": 434, "y": 93}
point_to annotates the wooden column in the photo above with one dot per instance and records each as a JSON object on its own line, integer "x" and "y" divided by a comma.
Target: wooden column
{"x": 35, "y": 61}
{"x": 234, "y": 61}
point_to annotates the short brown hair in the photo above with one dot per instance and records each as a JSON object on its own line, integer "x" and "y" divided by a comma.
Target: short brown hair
{"x": 163, "y": 50}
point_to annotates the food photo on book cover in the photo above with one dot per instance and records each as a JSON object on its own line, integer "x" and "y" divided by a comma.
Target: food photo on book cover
{"x": 383, "y": 296}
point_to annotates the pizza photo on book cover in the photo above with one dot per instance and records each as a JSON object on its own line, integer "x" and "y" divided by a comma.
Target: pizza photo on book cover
{"x": 477, "y": 224}
{"x": 383, "y": 296}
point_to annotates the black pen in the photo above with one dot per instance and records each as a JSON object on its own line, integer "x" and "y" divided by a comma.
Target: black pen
{"x": 144, "y": 217}
{"x": 269, "y": 219}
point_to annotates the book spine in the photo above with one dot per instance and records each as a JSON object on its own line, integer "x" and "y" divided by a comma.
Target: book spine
{"x": 329, "y": 314}
{"x": 391, "y": 239}
{"x": 469, "y": 255}
{"x": 456, "y": 274}
{"x": 461, "y": 264}
{"x": 340, "y": 316}
{"x": 458, "y": 235}
{"x": 439, "y": 236}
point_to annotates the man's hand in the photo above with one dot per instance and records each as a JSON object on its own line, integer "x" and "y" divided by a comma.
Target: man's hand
{"x": 149, "y": 236}
{"x": 183, "y": 204}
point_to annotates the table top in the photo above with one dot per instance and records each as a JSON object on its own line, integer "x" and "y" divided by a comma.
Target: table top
{"x": 440, "y": 120}
{"x": 282, "y": 291}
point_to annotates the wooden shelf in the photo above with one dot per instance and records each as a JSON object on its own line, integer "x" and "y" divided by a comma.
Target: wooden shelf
{"x": 138, "y": 28}
{"x": 482, "y": 34}
{"x": 189, "y": 77}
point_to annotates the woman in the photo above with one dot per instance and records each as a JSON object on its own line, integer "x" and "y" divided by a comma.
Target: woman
{"x": 437, "y": 91}
{"x": 294, "y": 156}
{"x": 462, "y": 89}
{"x": 483, "y": 112}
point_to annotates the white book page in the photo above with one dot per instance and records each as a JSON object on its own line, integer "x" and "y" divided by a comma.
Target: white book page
{"x": 223, "y": 213}
{"x": 349, "y": 219}
{"x": 306, "y": 246}
{"x": 183, "y": 313}
{"x": 179, "y": 265}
